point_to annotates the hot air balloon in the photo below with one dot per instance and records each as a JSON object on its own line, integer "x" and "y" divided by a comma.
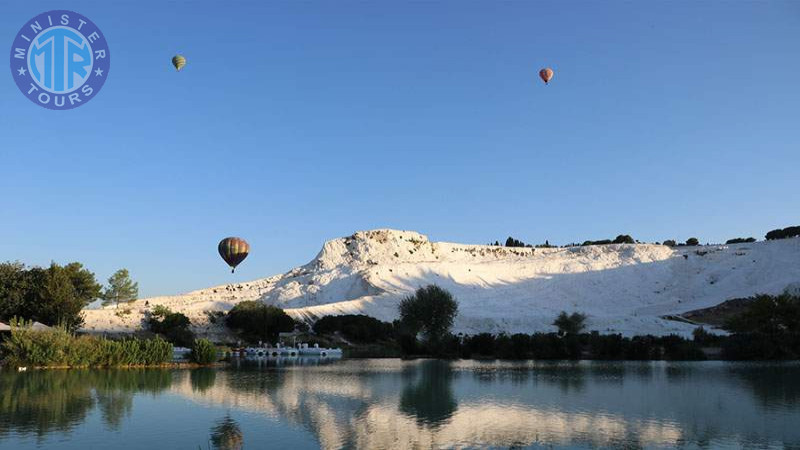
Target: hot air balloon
{"x": 178, "y": 61}
{"x": 233, "y": 250}
{"x": 546, "y": 74}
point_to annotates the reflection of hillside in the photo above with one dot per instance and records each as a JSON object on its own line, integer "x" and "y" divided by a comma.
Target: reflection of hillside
{"x": 505, "y": 425}
{"x": 424, "y": 404}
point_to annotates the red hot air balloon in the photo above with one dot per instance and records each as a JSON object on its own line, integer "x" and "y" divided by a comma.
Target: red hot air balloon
{"x": 546, "y": 74}
{"x": 233, "y": 250}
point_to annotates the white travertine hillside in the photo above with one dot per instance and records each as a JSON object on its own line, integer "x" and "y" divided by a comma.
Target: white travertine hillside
{"x": 623, "y": 288}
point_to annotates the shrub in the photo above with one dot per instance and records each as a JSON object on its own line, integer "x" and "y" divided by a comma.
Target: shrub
{"x": 173, "y": 326}
{"x": 511, "y": 242}
{"x": 624, "y": 239}
{"x": 784, "y": 233}
{"x": 255, "y": 321}
{"x": 359, "y": 328}
{"x": 766, "y": 314}
{"x": 480, "y": 344}
{"x": 670, "y": 243}
{"x": 57, "y": 347}
{"x": 203, "y": 352}
{"x": 692, "y": 242}
{"x": 600, "y": 242}
{"x": 740, "y": 240}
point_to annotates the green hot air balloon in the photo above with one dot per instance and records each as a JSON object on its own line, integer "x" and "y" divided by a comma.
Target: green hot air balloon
{"x": 233, "y": 250}
{"x": 178, "y": 61}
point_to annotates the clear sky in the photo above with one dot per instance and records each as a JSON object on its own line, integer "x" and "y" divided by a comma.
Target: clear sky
{"x": 298, "y": 122}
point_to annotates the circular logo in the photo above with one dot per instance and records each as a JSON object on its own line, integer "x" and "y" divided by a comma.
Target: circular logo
{"x": 60, "y": 59}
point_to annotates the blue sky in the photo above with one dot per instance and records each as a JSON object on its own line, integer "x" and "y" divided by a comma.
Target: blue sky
{"x": 297, "y": 122}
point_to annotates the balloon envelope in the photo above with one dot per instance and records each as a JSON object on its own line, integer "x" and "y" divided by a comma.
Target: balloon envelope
{"x": 178, "y": 61}
{"x": 546, "y": 74}
{"x": 233, "y": 250}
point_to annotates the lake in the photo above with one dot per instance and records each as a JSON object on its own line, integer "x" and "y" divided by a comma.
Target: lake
{"x": 394, "y": 404}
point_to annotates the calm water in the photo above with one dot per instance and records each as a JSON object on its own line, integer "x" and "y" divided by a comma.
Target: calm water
{"x": 393, "y": 404}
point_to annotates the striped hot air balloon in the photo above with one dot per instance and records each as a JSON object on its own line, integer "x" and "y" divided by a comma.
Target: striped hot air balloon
{"x": 546, "y": 74}
{"x": 178, "y": 61}
{"x": 233, "y": 250}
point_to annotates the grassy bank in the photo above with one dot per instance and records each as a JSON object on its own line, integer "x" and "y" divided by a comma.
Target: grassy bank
{"x": 59, "y": 348}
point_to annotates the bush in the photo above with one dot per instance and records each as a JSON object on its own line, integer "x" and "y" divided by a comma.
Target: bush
{"x": 784, "y": 233}
{"x": 359, "y": 328}
{"x": 203, "y": 352}
{"x": 58, "y": 348}
{"x": 740, "y": 240}
{"x": 172, "y": 325}
{"x": 692, "y": 242}
{"x": 600, "y": 242}
{"x": 480, "y": 344}
{"x": 624, "y": 239}
{"x": 511, "y": 242}
{"x": 670, "y": 243}
{"x": 767, "y": 314}
{"x": 255, "y": 321}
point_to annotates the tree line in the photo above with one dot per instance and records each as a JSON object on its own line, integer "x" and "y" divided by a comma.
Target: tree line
{"x": 55, "y": 295}
{"x": 781, "y": 233}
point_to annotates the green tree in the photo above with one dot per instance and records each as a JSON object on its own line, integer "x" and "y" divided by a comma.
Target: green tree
{"x": 692, "y": 241}
{"x": 768, "y": 315}
{"x": 570, "y": 324}
{"x": 624, "y": 239}
{"x": 173, "y": 326}
{"x": 431, "y": 311}
{"x": 55, "y": 295}
{"x": 120, "y": 288}
{"x": 670, "y": 243}
{"x": 255, "y": 321}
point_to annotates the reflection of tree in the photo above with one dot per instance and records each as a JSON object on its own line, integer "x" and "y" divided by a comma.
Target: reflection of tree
{"x": 202, "y": 379}
{"x": 42, "y": 401}
{"x": 431, "y": 398}
{"x": 227, "y": 435}
{"x": 773, "y": 384}
{"x": 114, "y": 406}
{"x": 39, "y": 402}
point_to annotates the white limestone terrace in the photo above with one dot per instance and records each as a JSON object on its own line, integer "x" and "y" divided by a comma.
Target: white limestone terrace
{"x": 623, "y": 288}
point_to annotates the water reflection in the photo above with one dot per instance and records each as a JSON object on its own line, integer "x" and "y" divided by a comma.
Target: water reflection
{"x": 429, "y": 398}
{"x": 203, "y": 379}
{"x": 39, "y": 402}
{"x": 411, "y": 404}
{"x": 227, "y": 435}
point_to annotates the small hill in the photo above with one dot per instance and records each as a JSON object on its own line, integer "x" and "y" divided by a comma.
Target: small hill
{"x": 623, "y": 288}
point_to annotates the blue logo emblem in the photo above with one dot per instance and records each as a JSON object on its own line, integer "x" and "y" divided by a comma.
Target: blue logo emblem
{"x": 60, "y": 60}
